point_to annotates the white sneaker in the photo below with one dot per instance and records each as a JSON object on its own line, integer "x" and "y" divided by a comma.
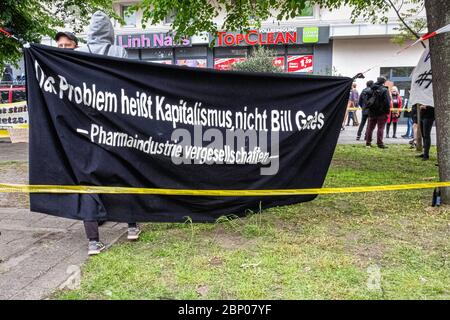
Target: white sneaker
{"x": 95, "y": 247}
{"x": 133, "y": 233}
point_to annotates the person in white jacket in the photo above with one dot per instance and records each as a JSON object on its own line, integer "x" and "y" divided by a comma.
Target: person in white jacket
{"x": 100, "y": 40}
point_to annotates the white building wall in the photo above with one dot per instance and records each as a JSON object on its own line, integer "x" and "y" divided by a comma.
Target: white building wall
{"x": 351, "y": 56}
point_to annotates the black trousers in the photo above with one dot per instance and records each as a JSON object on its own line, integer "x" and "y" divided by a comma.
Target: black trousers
{"x": 362, "y": 124}
{"x": 91, "y": 228}
{"x": 426, "y": 125}
{"x": 388, "y": 126}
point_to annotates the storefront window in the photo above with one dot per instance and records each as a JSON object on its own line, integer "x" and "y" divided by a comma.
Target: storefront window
{"x": 130, "y": 18}
{"x": 191, "y": 52}
{"x": 195, "y": 63}
{"x": 226, "y": 63}
{"x": 300, "y": 50}
{"x": 191, "y": 57}
{"x": 230, "y": 52}
{"x": 160, "y": 61}
{"x": 157, "y": 54}
{"x": 133, "y": 54}
{"x": 224, "y": 58}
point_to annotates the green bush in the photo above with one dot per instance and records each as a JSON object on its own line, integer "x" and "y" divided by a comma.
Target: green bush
{"x": 260, "y": 60}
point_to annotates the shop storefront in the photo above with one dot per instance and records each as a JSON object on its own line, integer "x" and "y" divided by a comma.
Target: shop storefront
{"x": 301, "y": 49}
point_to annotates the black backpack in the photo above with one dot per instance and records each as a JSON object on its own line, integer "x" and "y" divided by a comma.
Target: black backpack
{"x": 375, "y": 99}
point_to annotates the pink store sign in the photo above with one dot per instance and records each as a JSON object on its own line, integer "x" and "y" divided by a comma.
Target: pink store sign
{"x": 150, "y": 40}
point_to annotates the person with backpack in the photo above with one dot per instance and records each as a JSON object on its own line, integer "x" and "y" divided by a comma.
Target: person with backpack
{"x": 363, "y": 98}
{"x": 100, "y": 40}
{"x": 378, "y": 104}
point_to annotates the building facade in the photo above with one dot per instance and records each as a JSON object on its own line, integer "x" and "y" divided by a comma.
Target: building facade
{"x": 319, "y": 41}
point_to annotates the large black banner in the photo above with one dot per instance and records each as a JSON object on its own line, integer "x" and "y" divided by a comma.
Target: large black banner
{"x": 103, "y": 121}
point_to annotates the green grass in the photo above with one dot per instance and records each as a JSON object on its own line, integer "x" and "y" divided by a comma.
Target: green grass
{"x": 316, "y": 250}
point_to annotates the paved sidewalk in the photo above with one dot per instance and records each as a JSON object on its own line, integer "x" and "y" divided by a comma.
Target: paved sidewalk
{"x": 348, "y": 136}
{"x": 40, "y": 253}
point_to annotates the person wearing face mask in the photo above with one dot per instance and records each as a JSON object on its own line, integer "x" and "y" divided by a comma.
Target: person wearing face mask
{"x": 66, "y": 40}
{"x": 394, "y": 114}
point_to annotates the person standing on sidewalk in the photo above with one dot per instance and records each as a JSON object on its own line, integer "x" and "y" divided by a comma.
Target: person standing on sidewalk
{"x": 378, "y": 104}
{"x": 100, "y": 40}
{"x": 407, "y": 113}
{"x": 363, "y": 98}
{"x": 353, "y": 103}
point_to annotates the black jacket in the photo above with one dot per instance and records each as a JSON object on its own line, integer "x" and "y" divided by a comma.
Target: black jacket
{"x": 363, "y": 97}
{"x": 386, "y": 100}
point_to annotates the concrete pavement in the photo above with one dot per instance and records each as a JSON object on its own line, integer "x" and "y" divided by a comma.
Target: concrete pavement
{"x": 38, "y": 253}
{"x": 348, "y": 136}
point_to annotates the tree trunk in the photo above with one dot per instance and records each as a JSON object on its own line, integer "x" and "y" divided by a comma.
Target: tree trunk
{"x": 438, "y": 15}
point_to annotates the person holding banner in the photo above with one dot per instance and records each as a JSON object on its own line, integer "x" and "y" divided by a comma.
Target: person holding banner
{"x": 100, "y": 40}
{"x": 66, "y": 40}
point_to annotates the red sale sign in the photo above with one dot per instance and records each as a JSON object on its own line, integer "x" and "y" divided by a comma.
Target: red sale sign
{"x": 300, "y": 63}
{"x": 226, "y": 63}
{"x": 278, "y": 62}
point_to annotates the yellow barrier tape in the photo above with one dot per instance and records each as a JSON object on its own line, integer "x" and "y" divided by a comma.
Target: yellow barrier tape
{"x": 4, "y": 133}
{"x": 14, "y": 104}
{"x": 19, "y": 188}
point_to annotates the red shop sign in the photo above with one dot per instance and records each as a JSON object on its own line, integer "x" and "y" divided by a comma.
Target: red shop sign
{"x": 226, "y": 63}
{"x": 278, "y": 62}
{"x": 254, "y": 37}
{"x": 300, "y": 63}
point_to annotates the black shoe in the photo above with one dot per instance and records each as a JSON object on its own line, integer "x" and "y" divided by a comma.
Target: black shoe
{"x": 425, "y": 158}
{"x": 358, "y": 138}
{"x": 394, "y": 137}
{"x": 368, "y": 145}
{"x": 420, "y": 156}
{"x": 382, "y": 146}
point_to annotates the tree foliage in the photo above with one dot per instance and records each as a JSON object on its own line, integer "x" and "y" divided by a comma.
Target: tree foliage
{"x": 260, "y": 60}
{"x": 195, "y": 16}
{"x": 30, "y": 20}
